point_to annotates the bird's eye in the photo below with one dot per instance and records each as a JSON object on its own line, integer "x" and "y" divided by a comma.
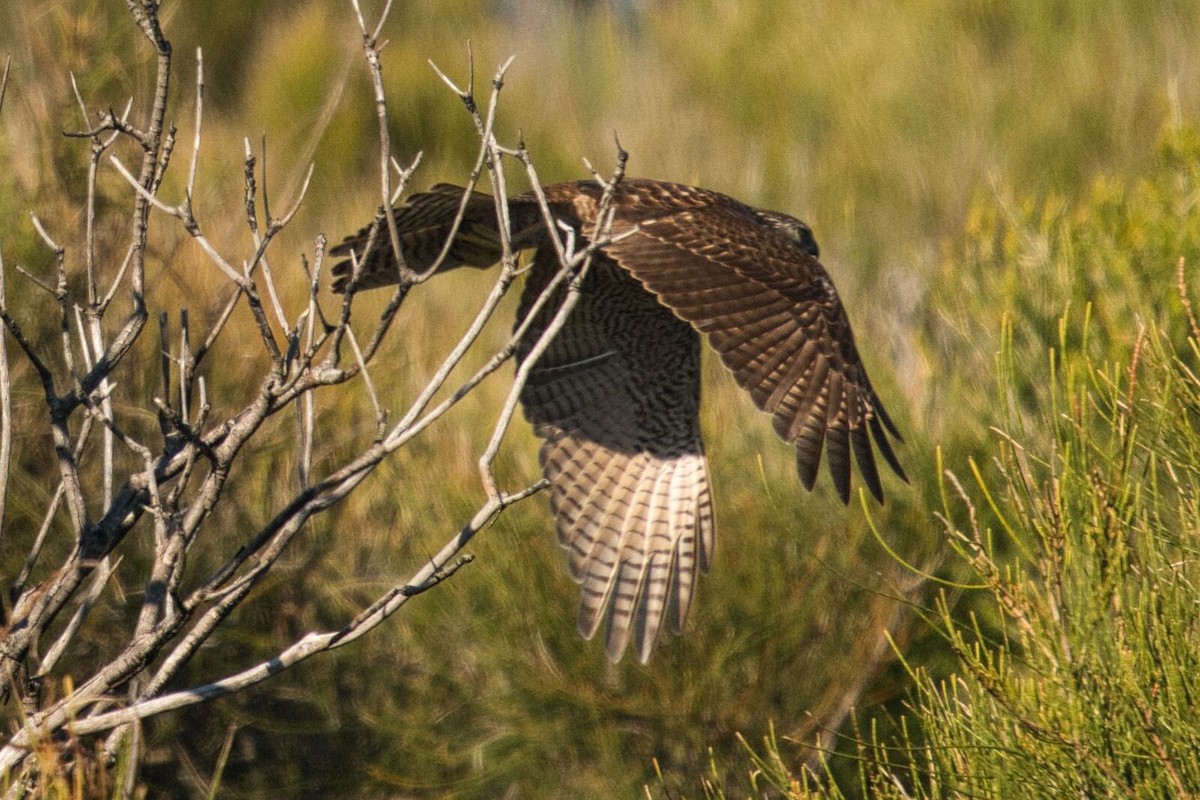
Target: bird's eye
{"x": 806, "y": 240}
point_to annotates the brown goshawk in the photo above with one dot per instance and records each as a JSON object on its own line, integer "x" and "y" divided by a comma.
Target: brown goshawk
{"x": 616, "y": 395}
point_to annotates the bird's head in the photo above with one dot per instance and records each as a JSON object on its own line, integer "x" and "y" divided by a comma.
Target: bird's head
{"x": 796, "y": 230}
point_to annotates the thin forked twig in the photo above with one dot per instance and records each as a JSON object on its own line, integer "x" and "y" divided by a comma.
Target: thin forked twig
{"x": 371, "y": 48}
{"x": 184, "y": 215}
{"x": 190, "y": 191}
{"x": 252, "y": 223}
{"x": 487, "y": 157}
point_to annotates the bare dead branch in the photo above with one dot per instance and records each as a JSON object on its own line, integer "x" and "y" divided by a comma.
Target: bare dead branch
{"x": 487, "y": 158}
{"x": 371, "y": 49}
{"x": 32, "y": 611}
{"x": 440, "y": 567}
{"x": 6, "y": 409}
{"x": 90, "y": 353}
{"x": 35, "y": 550}
{"x": 117, "y": 281}
{"x": 172, "y": 487}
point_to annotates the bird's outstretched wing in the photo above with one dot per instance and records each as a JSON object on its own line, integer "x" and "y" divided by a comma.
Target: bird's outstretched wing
{"x": 616, "y": 399}
{"x": 752, "y": 283}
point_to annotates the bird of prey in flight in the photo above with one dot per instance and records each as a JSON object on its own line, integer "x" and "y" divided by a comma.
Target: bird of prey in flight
{"x": 616, "y": 395}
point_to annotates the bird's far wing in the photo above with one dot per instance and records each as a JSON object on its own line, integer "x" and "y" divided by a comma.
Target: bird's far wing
{"x": 423, "y": 223}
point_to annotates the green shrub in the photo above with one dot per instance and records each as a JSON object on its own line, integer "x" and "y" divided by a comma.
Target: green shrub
{"x": 1072, "y": 612}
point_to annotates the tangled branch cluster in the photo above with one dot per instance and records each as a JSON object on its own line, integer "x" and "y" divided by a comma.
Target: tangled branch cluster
{"x": 180, "y": 479}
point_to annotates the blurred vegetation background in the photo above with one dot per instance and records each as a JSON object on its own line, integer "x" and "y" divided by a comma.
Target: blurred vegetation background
{"x": 969, "y": 168}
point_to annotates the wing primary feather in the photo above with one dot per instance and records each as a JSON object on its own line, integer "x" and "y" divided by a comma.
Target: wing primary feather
{"x": 837, "y": 437}
{"x": 808, "y": 453}
{"x": 885, "y": 448}
{"x": 810, "y": 407}
{"x": 881, "y": 412}
{"x": 837, "y": 446}
{"x": 865, "y": 458}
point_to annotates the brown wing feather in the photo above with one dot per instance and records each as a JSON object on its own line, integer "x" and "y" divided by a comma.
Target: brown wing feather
{"x": 616, "y": 398}
{"x": 771, "y": 313}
